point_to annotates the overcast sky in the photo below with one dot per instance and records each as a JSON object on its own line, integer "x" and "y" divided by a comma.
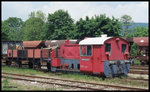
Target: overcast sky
{"x": 137, "y": 10}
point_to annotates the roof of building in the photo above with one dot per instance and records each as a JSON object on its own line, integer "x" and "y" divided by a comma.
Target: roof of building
{"x": 141, "y": 41}
{"x": 128, "y": 39}
{"x": 32, "y": 43}
{"x": 94, "y": 40}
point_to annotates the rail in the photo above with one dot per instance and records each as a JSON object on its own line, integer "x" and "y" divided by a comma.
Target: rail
{"x": 70, "y": 83}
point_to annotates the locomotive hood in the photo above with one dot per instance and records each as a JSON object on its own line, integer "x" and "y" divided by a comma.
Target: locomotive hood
{"x": 94, "y": 40}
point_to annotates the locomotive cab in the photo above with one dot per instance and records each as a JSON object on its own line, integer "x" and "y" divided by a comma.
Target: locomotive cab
{"x": 104, "y": 56}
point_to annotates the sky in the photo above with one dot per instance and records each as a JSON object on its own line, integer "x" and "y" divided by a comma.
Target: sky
{"x": 137, "y": 10}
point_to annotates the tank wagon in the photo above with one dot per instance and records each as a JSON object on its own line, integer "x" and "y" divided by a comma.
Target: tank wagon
{"x": 103, "y": 55}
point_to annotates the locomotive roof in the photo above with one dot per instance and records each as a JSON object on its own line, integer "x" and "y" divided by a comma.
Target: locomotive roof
{"x": 94, "y": 40}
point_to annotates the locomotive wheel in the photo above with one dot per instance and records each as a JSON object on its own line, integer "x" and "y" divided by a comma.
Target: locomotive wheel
{"x": 8, "y": 62}
{"x": 30, "y": 65}
{"x": 49, "y": 66}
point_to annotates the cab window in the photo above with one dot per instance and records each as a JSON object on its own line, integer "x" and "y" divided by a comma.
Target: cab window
{"x": 123, "y": 48}
{"x": 86, "y": 50}
{"x": 107, "y": 47}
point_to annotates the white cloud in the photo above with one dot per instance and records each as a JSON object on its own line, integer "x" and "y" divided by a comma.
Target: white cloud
{"x": 138, "y": 10}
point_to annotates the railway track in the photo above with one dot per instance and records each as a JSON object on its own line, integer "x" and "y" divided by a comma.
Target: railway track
{"x": 137, "y": 79}
{"x": 68, "y": 83}
{"x": 138, "y": 72}
{"x": 142, "y": 70}
{"x": 139, "y": 67}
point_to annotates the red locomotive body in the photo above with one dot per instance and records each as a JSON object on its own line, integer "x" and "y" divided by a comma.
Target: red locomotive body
{"x": 99, "y": 55}
{"x": 109, "y": 56}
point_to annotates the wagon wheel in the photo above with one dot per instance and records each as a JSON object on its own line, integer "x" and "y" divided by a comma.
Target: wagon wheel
{"x": 49, "y": 66}
{"x": 8, "y": 62}
{"x": 143, "y": 63}
{"x": 38, "y": 65}
{"x": 30, "y": 64}
{"x": 19, "y": 64}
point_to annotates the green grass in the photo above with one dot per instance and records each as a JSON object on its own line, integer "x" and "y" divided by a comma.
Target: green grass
{"x": 74, "y": 76}
{"x": 9, "y": 85}
{"x": 22, "y": 70}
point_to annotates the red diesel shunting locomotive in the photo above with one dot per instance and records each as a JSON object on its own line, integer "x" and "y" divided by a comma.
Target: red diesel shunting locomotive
{"x": 98, "y": 55}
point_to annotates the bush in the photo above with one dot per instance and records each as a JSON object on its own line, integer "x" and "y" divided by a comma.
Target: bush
{"x": 137, "y": 62}
{"x": 134, "y": 50}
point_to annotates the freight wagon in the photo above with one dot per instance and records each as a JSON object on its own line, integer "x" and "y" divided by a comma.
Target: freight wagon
{"x": 5, "y": 45}
{"x": 108, "y": 56}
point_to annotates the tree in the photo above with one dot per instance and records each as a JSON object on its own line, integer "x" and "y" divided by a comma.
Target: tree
{"x": 134, "y": 49}
{"x": 38, "y": 14}
{"x": 60, "y": 26}
{"x": 12, "y": 28}
{"x": 98, "y": 25}
{"x": 33, "y": 29}
{"x": 5, "y": 29}
{"x": 138, "y": 32}
{"x": 126, "y": 21}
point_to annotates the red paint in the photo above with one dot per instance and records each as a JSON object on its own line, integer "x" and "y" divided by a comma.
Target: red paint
{"x": 30, "y": 53}
{"x": 90, "y": 64}
{"x": 116, "y": 47}
{"x": 70, "y": 51}
{"x": 55, "y": 62}
{"x": 33, "y": 44}
{"x": 9, "y": 54}
{"x": 45, "y": 53}
{"x": 95, "y": 62}
{"x": 97, "y": 59}
{"x": 141, "y": 41}
{"x": 86, "y": 64}
{"x": 37, "y": 53}
{"x": 15, "y": 53}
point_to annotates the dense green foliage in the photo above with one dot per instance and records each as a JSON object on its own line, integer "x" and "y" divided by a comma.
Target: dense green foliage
{"x": 132, "y": 32}
{"x": 60, "y": 25}
{"x": 138, "y": 32}
{"x": 4, "y": 32}
{"x": 33, "y": 29}
{"x": 134, "y": 49}
{"x": 11, "y": 29}
{"x": 137, "y": 62}
{"x": 97, "y": 26}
